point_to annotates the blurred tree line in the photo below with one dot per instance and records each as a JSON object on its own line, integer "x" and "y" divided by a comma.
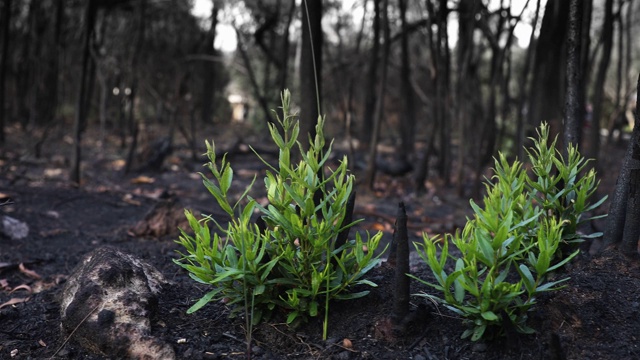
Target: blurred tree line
{"x": 445, "y": 83}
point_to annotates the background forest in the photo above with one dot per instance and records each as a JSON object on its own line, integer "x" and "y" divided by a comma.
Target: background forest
{"x": 105, "y": 106}
{"x": 442, "y": 84}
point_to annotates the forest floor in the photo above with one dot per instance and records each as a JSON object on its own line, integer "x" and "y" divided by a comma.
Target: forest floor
{"x": 594, "y": 317}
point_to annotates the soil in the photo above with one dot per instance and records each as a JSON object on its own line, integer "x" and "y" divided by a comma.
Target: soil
{"x": 595, "y": 317}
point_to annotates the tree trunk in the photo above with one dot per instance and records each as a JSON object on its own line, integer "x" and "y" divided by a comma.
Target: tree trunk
{"x": 548, "y": 83}
{"x": 442, "y": 97}
{"x": 311, "y": 68}
{"x": 572, "y": 110}
{"x": 81, "y": 113}
{"x": 525, "y": 89}
{"x": 6, "y": 20}
{"x": 401, "y": 262}
{"x": 408, "y": 119}
{"x": 467, "y": 10}
{"x": 617, "y": 119}
{"x": 284, "y": 60}
{"x": 616, "y": 229}
{"x": 598, "y": 93}
{"x": 370, "y": 173}
{"x": 371, "y": 79}
{"x": 585, "y": 44}
{"x": 209, "y": 70}
{"x": 135, "y": 57}
{"x": 252, "y": 77}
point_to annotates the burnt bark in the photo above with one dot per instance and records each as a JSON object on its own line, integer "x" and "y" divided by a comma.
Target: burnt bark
{"x": 525, "y": 88}
{"x": 209, "y": 71}
{"x": 6, "y": 20}
{"x": 311, "y": 67}
{"x": 467, "y": 10}
{"x": 253, "y": 80}
{"x": 548, "y": 82}
{"x": 408, "y": 119}
{"x": 370, "y": 172}
{"x": 81, "y": 113}
{"x": 135, "y": 58}
{"x": 616, "y": 228}
{"x": 601, "y": 76}
{"x": 402, "y": 283}
{"x": 371, "y": 79}
{"x": 572, "y": 111}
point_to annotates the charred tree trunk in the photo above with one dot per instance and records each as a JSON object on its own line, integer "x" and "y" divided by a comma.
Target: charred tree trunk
{"x": 548, "y": 69}
{"x": 401, "y": 263}
{"x": 370, "y": 173}
{"x": 408, "y": 119}
{"x": 209, "y": 70}
{"x": 135, "y": 57}
{"x": 617, "y": 119}
{"x": 598, "y": 94}
{"x": 585, "y": 43}
{"x": 525, "y": 89}
{"x": 284, "y": 60}
{"x": 252, "y": 77}
{"x": 370, "y": 81}
{"x": 311, "y": 67}
{"x": 442, "y": 91}
{"x": 467, "y": 10}
{"x": 52, "y": 81}
{"x": 81, "y": 113}
{"x": 6, "y": 20}
{"x": 624, "y": 213}
{"x": 572, "y": 111}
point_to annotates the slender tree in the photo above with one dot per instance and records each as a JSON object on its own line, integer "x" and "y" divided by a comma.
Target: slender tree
{"x": 408, "y": 117}
{"x": 601, "y": 76}
{"x": 209, "y": 69}
{"x": 524, "y": 85}
{"x": 622, "y": 222}
{"x": 81, "y": 111}
{"x": 370, "y": 172}
{"x": 6, "y": 20}
{"x": 547, "y": 89}
{"x": 572, "y": 111}
{"x": 467, "y": 10}
{"x": 371, "y": 78}
{"x": 134, "y": 61}
{"x": 311, "y": 66}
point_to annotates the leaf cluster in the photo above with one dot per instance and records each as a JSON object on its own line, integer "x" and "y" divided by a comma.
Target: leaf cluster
{"x": 513, "y": 242}
{"x": 293, "y": 263}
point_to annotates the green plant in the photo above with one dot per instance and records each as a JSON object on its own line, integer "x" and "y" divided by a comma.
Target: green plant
{"x": 561, "y": 186}
{"x": 294, "y": 263}
{"x": 513, "y": 242}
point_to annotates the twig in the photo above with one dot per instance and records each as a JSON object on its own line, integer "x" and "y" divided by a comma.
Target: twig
{"x": 74, "y": 331}
{"x": 6, "y": 202}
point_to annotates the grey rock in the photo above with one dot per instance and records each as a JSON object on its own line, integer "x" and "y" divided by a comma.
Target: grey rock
{"x": 13, "y": 228}
{"x": 107, "y": 305}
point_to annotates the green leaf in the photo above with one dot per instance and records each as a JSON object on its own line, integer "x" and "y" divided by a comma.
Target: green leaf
{"x": 350, "y": 296}
{"x": 292, "y": 316}
{"x": 489, "y": 316}
{"x": 203, "y": 301}
{"x": 478, "y": 332}
{"x": 550, "y": 285}
{"x": 564, "y": 261}
{"x": 259, "y": 290}
{"x": 527, "y": 277}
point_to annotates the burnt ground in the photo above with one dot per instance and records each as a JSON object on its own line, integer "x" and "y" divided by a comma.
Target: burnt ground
{"x": 595, "y": 317}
